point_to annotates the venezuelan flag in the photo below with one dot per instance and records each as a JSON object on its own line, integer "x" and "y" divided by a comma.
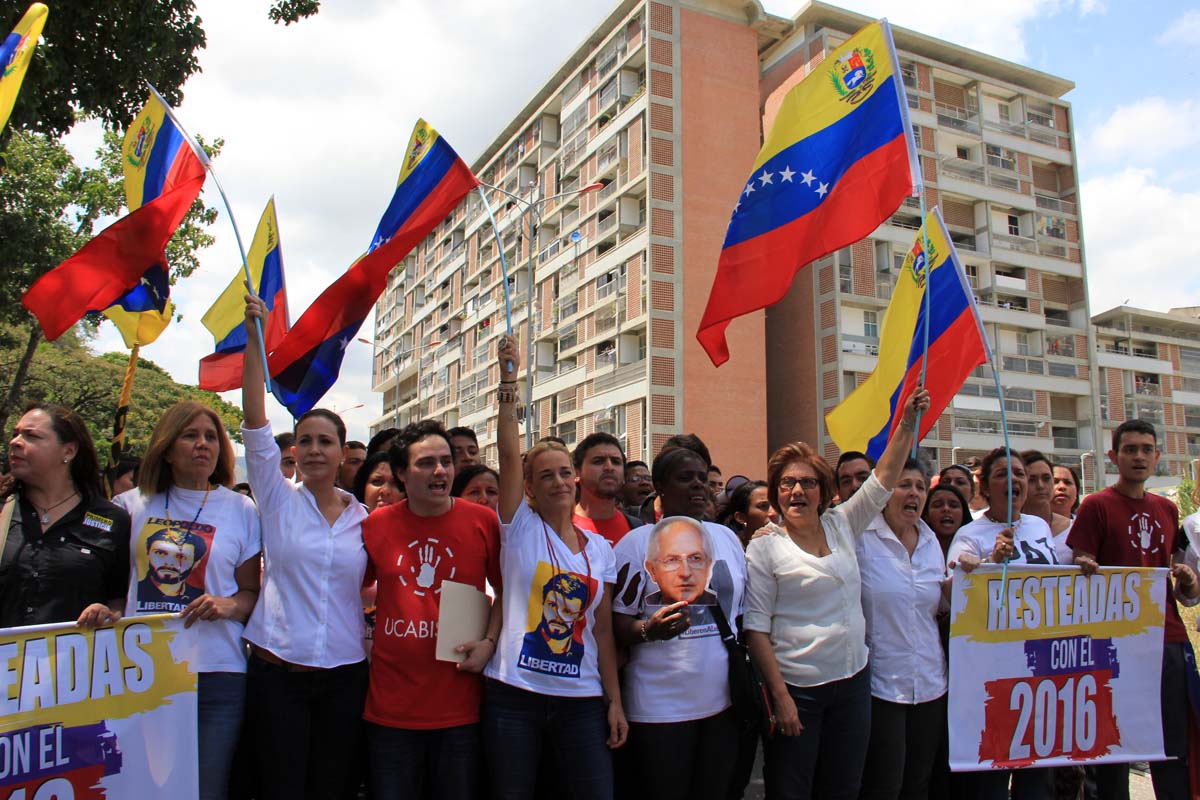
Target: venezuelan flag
{"x": 153, "y": 158}
{"x": 125, "y": 256}
{"x": 16, "y": 51}
{"x": 865, "y": 420}
{"x": 222, "y": 371}
{"x": 838, "y": 161}
{"x": 433, "y": 180}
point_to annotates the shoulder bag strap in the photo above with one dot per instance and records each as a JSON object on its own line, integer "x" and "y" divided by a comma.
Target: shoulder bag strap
{"x": 6, "y": 516}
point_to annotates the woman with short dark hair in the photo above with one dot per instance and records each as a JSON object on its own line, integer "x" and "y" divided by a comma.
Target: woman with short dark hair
{"x": 65, "y": 555}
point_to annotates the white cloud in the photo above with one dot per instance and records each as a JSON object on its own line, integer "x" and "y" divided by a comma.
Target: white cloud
{"x": 1142, "y": 133}
{"x": 1183, "y": 30}
{"x": 318, "y": 114}
{"x": 1140, "y": 242}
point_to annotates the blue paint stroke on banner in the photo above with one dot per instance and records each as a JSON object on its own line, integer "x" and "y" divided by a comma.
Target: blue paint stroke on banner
{"x": 1069, "y": 654}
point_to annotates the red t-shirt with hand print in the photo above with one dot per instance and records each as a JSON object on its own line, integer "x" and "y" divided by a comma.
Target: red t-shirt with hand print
{"x": 410, "y": 557}
{"x": 1126, "y": 532}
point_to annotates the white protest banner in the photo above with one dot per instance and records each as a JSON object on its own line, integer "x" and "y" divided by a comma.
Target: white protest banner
{"x": 1065, "y": 670}
{"x": 98, "y": 715}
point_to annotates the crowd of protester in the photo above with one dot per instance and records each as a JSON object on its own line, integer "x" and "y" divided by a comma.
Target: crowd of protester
{"x": 603, "y": 668}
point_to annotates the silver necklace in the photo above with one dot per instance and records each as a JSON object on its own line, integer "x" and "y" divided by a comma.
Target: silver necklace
{"x": 44, "y": 514}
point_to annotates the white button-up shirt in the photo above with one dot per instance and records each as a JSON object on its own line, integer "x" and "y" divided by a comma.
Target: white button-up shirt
{"x": 900, "y": 599}
{"x": 810, "y": 606}
{"x": 309, "y": 611}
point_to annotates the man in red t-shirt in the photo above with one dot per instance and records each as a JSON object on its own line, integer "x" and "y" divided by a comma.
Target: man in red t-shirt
{"x": 600, "y": 474}
{"x": 423, "y": 714}
{"x": 1126, "y": 526}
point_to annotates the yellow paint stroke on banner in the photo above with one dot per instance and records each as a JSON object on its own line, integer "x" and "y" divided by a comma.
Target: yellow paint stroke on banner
{"x": 1047, "y": 603}
{"x": 74, "y": 676}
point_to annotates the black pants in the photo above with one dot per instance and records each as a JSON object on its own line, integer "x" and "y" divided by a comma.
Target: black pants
{"x": 308, "y": 727}
{"x": 825, "y": 762}
{"x": 691, "y": 760}
{"x": 1170, "y": 777}
{"x": 904, "y": 743}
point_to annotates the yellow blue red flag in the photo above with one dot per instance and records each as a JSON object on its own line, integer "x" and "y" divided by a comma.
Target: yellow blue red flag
{"x": 15, "y": 53}
{"x": 154, "y": 154}
{"x": 433, "y": 180}
{"x": 865, "y": 420}
{"x": 222, "y": 371}
{"x": 839, "y": 159}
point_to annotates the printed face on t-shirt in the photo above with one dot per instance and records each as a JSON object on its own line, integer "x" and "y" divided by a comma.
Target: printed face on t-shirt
{"x": 172, "y": 557}
{"x": 557, "y": 616}
{"x": 681, "y": 566}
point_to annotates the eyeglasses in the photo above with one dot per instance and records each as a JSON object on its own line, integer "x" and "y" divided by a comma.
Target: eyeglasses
{"x": 789, "y": 483}
{"x": 673, "y": 563}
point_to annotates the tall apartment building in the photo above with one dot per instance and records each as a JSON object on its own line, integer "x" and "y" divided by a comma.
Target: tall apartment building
{"x": 1149, "y": 368}
{"x": 996, "y": 146}
{"x": 664, "y": 104}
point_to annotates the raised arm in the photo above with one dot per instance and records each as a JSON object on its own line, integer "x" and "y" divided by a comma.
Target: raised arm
{"x": 254, "y": 393}
{"x": 512, "y": 475}
{"x": 888, "y": 468}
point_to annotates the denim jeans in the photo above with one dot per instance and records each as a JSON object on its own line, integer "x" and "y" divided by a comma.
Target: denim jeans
{"x": 442, "y": 763}
{"x": 308, "y": 727}
{"x": 220, "y": 704}
{"x": 517, "y": 723}
{"x": 692, "y": 760}
{"x": 826, "y": 760}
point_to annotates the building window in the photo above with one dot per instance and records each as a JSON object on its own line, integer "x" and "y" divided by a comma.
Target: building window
{"x": 846, "y": 278}
{"x": 1019, "y": 401}
{"x": 1023, "y": 348}
{"x": 1014, "y": 225}
{"x": 849, "y": 383}
{"x": 1001, "y": 157}
{"x": 963, "y": 152}
{"x": 1005, "y": 113}
{"x": 871, "y": 324}
{"x": 972, "y": 275}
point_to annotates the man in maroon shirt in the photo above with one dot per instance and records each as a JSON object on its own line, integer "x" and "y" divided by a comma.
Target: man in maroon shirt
{"x": 1126, "y": 526}
{"x": 600, "y": 472}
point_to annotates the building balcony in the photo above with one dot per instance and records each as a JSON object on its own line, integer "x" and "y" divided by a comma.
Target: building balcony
{"x": 958, "y": 118}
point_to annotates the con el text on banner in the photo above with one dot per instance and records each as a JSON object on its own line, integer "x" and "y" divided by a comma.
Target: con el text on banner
{"x": 99, "y": 714}
{"x": 1053, "y": 667}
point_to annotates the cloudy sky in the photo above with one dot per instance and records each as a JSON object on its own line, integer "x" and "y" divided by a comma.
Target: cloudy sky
{"x": 318, "y": 114}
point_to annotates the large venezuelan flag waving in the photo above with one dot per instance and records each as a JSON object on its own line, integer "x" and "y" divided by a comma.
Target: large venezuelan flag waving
{"x": 864, "y": 421}
{"x": 118, "y": 259}
{"x": 433, "y": 180}
{"x": 838, "y": 161}
{"x": 154, "y": 158}
{"x": 222, "y": 371}
{"x": 16, "y": 51}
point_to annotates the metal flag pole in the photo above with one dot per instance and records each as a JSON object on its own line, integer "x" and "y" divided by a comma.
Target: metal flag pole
{"x": 208, "y": 165}
{"x": 527, "y": 207}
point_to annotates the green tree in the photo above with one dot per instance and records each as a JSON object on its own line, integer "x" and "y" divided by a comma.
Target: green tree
{"x": 65, "y": 372}
{"x": 96, "y": 56}
{"x": 49, "y": 206}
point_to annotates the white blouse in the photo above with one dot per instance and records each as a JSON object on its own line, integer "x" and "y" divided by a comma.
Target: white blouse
{"x": 309, "y": 610}
{"x": 900, "y": 598}
{"x": 810, "y": 606}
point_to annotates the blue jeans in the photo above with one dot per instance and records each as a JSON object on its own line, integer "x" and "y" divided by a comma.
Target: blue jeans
{"x": 517, "y": 723}
{"x": 826, "y": 760}
{"x": 692, "y": 760}
{"x": 220, "y": 703}
{"x": 442, "y": 763}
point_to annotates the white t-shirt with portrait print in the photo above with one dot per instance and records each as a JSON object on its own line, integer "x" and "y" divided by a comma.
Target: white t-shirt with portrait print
{"x": 1031, "y": 535}
{"x": 211, "y": 538}
{"x": 685, "y": 677}
{"x": 548, "y": 643}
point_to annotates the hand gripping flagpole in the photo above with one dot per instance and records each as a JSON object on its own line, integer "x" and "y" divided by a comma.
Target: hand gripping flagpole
{"x": 208, "y": 165}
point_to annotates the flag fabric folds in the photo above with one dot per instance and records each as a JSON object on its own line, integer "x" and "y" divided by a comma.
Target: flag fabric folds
{"x": 865, "y": 420}
{"x": 117, "y": 259}
{"x": 16, "y": 51}
{"x": 433, "y": 180}
{"x": 839, "y": 159}
{"x": 222, "y": 371}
